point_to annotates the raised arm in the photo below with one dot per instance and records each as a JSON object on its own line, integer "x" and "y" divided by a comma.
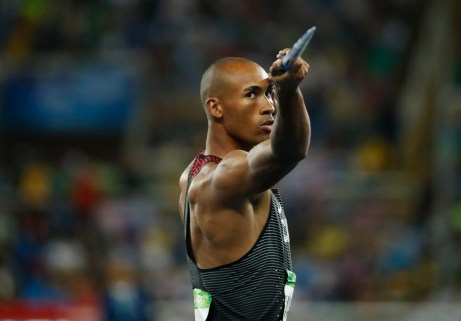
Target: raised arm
{"x": 290, "y": 137}
{"x": 246, "y": 173}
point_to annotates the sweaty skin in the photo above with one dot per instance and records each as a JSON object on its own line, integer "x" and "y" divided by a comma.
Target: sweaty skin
{"x": 229, "y": 201}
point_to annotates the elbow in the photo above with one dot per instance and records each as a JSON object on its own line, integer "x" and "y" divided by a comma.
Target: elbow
{"x": 301, "y": 154}
{"x": 292, "y": 155}
{"x": 300, "y": 149}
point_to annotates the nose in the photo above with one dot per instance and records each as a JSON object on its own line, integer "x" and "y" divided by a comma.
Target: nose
{"x": 268, "y": 106}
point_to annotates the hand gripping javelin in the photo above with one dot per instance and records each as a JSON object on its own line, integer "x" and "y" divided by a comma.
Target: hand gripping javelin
{"x": 297, "y": 49}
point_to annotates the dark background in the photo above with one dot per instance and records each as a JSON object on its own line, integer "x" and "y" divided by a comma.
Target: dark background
{"x": 100, "y": 113}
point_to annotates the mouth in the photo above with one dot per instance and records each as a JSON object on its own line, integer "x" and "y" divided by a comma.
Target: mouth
{"x": 267, "y": 125}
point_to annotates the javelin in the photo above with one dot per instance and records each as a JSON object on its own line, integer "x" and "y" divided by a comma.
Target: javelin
{"x": 297, "y": 49}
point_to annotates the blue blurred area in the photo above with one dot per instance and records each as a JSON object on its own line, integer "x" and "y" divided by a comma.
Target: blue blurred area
{"x": 89, "y": 98}
{"x": 100, "y": 113}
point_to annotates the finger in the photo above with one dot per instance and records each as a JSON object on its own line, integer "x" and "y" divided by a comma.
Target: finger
{"x": 305, "y": 66}
{"x": 282, "y": 52}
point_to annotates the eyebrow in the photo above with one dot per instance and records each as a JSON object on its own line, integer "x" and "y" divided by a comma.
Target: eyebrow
{"x": 252, "y": 88}
{"x": 271, "y": 86}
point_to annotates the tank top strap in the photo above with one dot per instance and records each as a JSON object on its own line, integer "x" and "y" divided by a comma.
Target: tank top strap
{"x": 201, "y": 160}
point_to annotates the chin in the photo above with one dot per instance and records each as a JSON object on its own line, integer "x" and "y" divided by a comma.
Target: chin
{"x": 263, "y": 138}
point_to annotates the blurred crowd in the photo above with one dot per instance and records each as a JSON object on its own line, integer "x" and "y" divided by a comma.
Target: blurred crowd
{"x": 75, "y": 225}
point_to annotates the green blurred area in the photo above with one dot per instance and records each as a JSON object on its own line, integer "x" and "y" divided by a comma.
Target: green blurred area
{"x": 100, "y": 113}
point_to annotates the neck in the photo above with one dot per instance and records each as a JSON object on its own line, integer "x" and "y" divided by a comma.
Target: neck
{"x": 220, "y": 144}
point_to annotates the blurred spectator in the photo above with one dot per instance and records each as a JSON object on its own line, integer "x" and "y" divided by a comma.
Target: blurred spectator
{"x": 96, "y": 221}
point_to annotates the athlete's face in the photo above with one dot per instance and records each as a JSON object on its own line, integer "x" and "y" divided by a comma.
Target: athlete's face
{"x": 248, "y": 104}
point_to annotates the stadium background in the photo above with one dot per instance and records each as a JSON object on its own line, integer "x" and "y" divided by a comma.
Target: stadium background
{"x": 100, "y": 112}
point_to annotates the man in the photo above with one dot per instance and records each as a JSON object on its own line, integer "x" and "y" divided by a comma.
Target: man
{"x": 236, "y": 232}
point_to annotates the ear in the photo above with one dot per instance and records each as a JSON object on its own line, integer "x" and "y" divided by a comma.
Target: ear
{"x": 214, "y": 107}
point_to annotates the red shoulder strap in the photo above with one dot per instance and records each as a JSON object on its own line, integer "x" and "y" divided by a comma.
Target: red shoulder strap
{"x": 200, "y": 161}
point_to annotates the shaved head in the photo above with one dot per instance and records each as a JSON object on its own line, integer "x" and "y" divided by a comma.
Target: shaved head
{"x": 215, "y": 78}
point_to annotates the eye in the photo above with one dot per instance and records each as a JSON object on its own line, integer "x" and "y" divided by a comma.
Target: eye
{"x": 269, "y": 93}
{"x": 251, "y": 94}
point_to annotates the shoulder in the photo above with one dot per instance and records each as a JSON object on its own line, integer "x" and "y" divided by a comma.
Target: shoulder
{"x": 217, "y": 181}
{"x": 231, "y": 163}
{"x": 200, "y": 181}
{"x": 184, "y": 177}
{"x": 183, "y": 187}
{"x": 203, "y": 180}
{"x": 224, "y": 181}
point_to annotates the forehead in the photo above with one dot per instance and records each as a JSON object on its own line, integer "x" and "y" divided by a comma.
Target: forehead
{"x": 245, "y": 74}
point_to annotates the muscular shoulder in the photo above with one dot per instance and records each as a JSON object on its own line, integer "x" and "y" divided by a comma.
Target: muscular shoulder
{"x": 182, "y": 188}
{"x": 231, "y": 170}
{"x": 184, "y": 177}
{"x": 219, "y": 183}
{"x": 200, "y": 183}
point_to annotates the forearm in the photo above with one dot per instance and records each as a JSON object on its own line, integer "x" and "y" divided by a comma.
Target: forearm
{"x": 290, "y": 137}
